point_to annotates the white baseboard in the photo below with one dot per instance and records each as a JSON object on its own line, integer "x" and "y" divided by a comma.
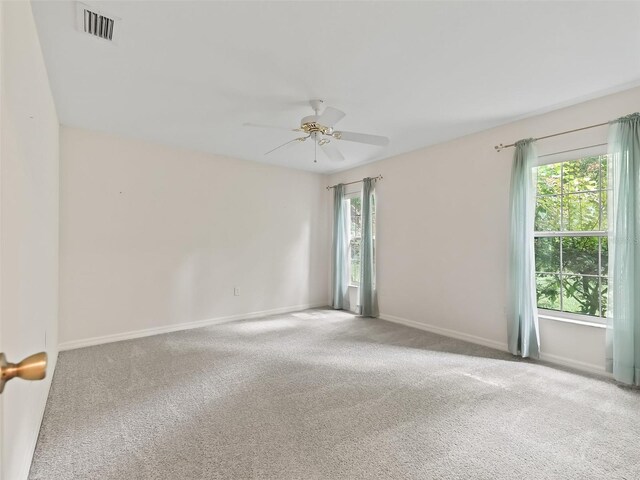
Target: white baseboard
{"x": 446, "y": 332}
{"x": 30, "y": 447}
{"x": 575, "y": 364}
{"x": 545, "y": 357}
{"x": 116, "y": 337}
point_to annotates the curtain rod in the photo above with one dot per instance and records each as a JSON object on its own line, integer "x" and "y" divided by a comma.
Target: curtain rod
{"x": 501, "y": 146}
{"x": 379, "y": 177}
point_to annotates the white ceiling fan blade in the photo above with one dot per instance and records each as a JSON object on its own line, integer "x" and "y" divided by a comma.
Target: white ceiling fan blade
{"x": 300, "y": 139}
{"x": 332, "y": 152}
{"x": 258, "y": 125}
{"x": 362, "y": 138}
{"x": 330, "y": 117}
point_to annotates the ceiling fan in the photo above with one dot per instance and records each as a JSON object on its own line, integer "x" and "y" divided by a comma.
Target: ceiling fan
{"x": 319, "y": 128}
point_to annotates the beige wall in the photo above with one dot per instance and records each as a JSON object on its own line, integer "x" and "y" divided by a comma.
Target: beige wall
{"x": 29, "y": 229}
{"x": 154, "y": 237}
{"x": 443, "y": 230}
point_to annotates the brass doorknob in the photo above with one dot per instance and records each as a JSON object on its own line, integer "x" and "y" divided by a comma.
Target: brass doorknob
{"x": 33, "y": 367}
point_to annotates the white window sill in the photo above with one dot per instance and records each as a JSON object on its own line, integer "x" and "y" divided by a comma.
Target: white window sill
{"x": 353, "y": 286}
{"x": 575, "y": 321}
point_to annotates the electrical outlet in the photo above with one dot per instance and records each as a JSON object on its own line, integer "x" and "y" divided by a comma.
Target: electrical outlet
{"x": 236, "y": 292}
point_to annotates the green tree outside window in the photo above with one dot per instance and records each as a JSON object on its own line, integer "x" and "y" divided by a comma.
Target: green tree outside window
{"x": 570, "y": 229}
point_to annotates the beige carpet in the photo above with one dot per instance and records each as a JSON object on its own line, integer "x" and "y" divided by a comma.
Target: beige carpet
{"x": 322, "y": 394}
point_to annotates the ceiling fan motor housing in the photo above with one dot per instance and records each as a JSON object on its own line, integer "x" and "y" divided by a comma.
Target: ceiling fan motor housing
{"x": 309, "y": 119}
{"x": 310, "y": 125}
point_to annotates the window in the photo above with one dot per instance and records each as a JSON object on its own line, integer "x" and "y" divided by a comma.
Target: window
{"x": 355, "y": 237}
{"x": 571, "y": 236}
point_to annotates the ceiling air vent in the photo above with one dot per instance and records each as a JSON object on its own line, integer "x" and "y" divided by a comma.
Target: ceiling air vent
{"x": 98, "y": 25}
{"x": 94, "y": 22}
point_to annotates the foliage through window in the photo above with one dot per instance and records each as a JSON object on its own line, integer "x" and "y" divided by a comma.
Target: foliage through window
{"x": 571, "y": 236}
{"x": 355, "y": 238}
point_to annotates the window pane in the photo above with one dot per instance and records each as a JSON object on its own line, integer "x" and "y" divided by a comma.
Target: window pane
{"x": 355, "y": 261}
{"x": 604, "y": 172}
{"x": 604, "y": 210}
{"x": 547, "y": 254}
{"x": 355, "y": 272}
{"x": 581, "y": 175}
{"x": 604, "y": 248}
{"x": 603, "y": 295}
{"x": 581, "y": 211}
{"x": 373, "y": 217}
{"x": 548, "y": 177}
{"x": 547, "y": 214}
{"x": 356, "y": 225}
{"x": 580, "y": 294}
{"x": 580, "y": 255}
{"x": 548, "y": 291}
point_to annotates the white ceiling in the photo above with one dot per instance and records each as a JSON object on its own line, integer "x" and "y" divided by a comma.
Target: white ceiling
{"x": 189, "y": 74}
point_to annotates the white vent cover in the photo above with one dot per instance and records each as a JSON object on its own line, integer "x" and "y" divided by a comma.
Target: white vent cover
{"x": 95, "y": 22}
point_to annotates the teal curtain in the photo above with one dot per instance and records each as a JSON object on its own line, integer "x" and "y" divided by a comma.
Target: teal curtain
{"x": 623, "y": 310}
{"x": 368, "y": 295}
{"x": 523, "y": 334}
{"x": 340, "y": 252}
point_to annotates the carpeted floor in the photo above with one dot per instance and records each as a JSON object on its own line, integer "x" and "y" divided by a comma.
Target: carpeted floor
{"x": 322, "y": 394}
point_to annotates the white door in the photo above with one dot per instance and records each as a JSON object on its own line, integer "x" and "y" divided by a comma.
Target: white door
{"x": 28, "y": 231}
{"x": 1, "y": 400}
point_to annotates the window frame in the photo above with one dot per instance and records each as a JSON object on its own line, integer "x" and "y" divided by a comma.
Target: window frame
{"x": 559, "y": 315}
